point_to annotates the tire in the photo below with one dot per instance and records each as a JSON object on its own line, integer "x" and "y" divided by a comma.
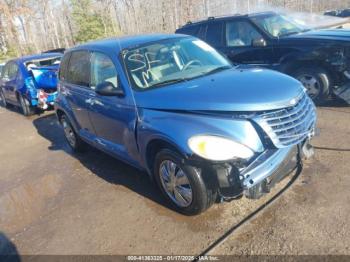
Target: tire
{"x": 26, "y": 108}
{"x": 190, "y": 195}
{"x": 73, "y": 140}
{"x": 3, "y": 102}
{"x": 316, "y": 80}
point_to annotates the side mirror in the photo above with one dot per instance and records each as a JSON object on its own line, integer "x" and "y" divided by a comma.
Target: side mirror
{"x": 259, "y": 42}
{"x": 107, "y": 88}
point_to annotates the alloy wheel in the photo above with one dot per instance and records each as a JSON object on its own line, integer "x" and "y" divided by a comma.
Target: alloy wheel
{"x": 175, "y": 183}
{"x": 2, "y": 99}
{"x": 311, "y": 83}
{"x": 69, "y": 133}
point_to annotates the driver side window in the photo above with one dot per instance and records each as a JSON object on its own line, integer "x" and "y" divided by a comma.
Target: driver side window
{"x": 102, "y": 70}
{"x": 240, "y": 33}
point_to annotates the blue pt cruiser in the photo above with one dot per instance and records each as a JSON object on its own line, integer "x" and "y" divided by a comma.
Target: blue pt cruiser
{"x": 202, "y": 128}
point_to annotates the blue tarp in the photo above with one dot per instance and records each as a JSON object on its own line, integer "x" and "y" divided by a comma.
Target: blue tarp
{"x": 45, "y": 76}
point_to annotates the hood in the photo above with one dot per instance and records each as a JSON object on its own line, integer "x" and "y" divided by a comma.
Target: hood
{"x": 229, "y": 90}
{"x": 322, "y": 35}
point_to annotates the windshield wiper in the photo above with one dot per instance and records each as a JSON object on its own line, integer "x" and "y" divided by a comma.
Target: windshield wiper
{"x": 217, "y": 69}
{"x": 289, "y": 33}
{"x": 167, "y": 82}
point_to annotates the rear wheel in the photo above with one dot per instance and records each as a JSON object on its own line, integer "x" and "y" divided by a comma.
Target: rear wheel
{"x": 74, "y": 141}
{"x": 316, "y": 80}
{"x": 182, "y": 184}
{"x": 3, "y": 102}
{"x": 26, "y": 108}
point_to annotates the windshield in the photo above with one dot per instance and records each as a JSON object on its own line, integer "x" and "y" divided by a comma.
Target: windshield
{"x": 171, "y": 61}
{"x": 278, "y": 25}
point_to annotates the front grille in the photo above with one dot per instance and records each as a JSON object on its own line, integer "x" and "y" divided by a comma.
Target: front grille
{"x": 289, "y": 126}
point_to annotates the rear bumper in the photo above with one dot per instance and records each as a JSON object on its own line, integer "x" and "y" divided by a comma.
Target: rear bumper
{"x": 44, "y": 99}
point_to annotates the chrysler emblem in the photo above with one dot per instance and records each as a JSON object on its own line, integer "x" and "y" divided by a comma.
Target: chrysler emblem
{"x": 293, "y": 102}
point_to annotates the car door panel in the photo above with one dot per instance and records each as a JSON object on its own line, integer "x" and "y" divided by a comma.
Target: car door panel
{"x": 113, "y": 117}
{"x": 78, "y": 93}
{"x": 9, "y": 82}
{"x": 239, "y": 36}
{"x": 80, "y": 99}
{"x": 114, "y": 123}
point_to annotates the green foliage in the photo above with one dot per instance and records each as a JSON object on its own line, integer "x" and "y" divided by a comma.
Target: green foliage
{"x": 89, "y": 24}
{"x": 10, "y": 53}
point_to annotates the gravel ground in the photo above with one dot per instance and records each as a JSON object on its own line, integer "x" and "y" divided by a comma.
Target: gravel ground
{"x": 55, "y": 202}
{"x": 312, "y": 217}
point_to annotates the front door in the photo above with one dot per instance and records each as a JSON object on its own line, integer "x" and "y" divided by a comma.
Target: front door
{"x": 112, "y": 116}
{"x": 244, "y": 44}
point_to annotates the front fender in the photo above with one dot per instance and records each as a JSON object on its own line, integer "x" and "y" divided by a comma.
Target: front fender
{"x": 176, "y": 129}
{"x": 330, "y": 56}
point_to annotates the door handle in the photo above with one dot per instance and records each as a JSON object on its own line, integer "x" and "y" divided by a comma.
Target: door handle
{"x": 93, "y": 101}
{"x": 90, "y": 101}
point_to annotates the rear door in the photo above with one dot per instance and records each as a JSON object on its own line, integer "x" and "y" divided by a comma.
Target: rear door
{"x": 246, "y": 44}
{"x": 9, "y": 81}
{"x": 76, "y": 86}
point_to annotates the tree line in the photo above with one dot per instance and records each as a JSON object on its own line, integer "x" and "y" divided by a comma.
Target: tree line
{"x": 32, "y": 26}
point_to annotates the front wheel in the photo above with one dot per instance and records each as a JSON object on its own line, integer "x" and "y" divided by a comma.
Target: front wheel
{"x": 182, "y": 184}
{"x": 316, "y": 80}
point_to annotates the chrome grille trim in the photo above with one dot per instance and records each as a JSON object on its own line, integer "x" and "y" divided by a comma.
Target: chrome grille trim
{"x": 289, "y": 126}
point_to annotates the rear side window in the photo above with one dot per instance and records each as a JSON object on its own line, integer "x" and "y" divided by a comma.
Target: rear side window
{"x": 214, "y": 34}
{"x": 64, "y": 67}
{"x": 78, "y": 72}
{"x": 189, "y": 30}
{"x": 202, "y": 31}
{"x": 10, "y": 71}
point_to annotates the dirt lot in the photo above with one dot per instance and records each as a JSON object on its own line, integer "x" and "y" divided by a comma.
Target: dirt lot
{"x": 55, "y": 202}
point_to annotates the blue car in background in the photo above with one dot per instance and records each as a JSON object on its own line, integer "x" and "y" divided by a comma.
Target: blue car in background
{"x": 171, "y": 105}
{"x": 30, "y": 82}
{"x": 1, "y": 67}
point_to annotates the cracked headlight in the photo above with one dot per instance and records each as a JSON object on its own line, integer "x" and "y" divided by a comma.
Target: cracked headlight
{"x": 218, "y": 148}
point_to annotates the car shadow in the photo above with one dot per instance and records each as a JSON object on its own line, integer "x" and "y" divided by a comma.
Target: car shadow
{"x": 17, "y": 110}
{"x": 8, "y": 250}
{"x": 334, "y": 102}
{"x": 106, "y": 167}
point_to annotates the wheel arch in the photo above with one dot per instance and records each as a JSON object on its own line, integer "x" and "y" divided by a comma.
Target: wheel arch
{"x": 154, "y": 146}
{"x": 60, "y": 112}
{"x": 289, "y": 67}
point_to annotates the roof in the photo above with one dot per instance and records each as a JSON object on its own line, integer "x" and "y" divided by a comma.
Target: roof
{"x": 120, "y": 43}
{"x": 24, "y": 59}
{"x": 218, "y": 18}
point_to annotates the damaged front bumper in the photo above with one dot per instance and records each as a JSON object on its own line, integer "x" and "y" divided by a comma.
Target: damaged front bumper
{"x": 262, "y": 174}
